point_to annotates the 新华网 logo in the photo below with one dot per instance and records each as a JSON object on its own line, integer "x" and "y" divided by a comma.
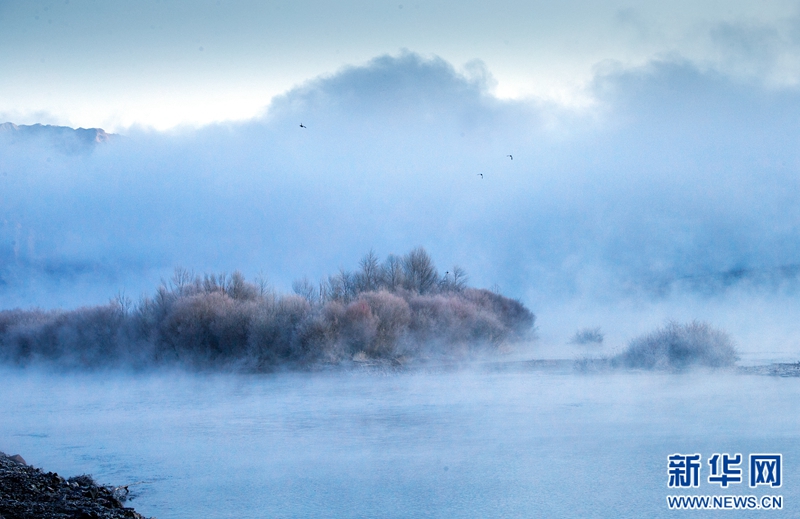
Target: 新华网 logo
{"x": 763, "y": 470}
{"x": 684, "y": 470}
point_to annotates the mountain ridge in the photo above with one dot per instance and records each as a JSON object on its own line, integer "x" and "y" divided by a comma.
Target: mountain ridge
{"x": 65, "y": 138}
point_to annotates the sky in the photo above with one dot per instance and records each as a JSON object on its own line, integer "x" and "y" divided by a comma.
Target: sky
{"x": 654, "y": 171}
{"x": 161, "y": 63}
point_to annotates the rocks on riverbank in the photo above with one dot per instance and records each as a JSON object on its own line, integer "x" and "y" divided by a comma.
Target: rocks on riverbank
{"x": 28, "y": 493}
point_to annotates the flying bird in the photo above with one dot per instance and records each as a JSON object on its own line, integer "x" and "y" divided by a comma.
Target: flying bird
{"x": 301, "y": 126}
{"x": 510, "y": 157}
{"x": 480, "y": 175}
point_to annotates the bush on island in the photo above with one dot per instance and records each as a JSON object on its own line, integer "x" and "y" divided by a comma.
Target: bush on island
{"x": 678, "y": 346}
{"x": 402, "y": 308}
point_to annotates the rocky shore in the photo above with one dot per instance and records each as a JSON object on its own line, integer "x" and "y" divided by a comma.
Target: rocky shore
{"x": 28, "y": 493}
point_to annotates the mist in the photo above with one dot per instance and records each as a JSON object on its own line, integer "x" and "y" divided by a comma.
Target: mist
{"x": 674, "y": 195}
{"x": 438, "y": 443}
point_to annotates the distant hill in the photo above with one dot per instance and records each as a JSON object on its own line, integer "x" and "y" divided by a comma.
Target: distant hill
{"x": 64, "y": 138}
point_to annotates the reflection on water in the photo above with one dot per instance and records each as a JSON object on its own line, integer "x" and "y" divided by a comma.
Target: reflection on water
{"x": 470, "y": 443}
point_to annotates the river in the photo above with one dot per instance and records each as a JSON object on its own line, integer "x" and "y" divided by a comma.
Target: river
{"x": 449, "y": 443}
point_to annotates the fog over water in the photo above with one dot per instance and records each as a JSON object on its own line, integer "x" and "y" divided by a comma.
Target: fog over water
{"x": 673, "y": 195}
{"x": 446, "y": 443}
{"x": 677, "y": 189}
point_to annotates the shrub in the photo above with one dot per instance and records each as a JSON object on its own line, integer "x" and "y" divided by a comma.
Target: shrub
{"x": 518, "y": 320}
{"x": 393, "y": 317}
{"x": 220, "y": 321}
{"x": 588, "y": 336}
{"x": 83, "y": 337}
{"x": 678, "y": 346}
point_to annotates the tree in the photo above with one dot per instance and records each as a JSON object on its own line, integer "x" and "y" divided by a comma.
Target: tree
{"x": 369, "y": 279}
{"x": 304, "y": 287}
{"x": 455, "y": 280}
{"x": 238, "y": 288}
{"x": 420, "y": 273}
{"x": 392, "y": 272}
{"x": 180, "y": 281}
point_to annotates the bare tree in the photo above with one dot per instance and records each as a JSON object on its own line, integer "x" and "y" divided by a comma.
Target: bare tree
{"x": 214, "y": 282}
{"x": 181, "y": 280}
{"x": 304, "y": 287}
{"x": 420, "y": 273}
{"x": 369, "y": 278}
{"x": 392, "y": 272}
{"x": 122, "y": 302}
{"x": 454, "y": 280}
{"x": 460, "y": 278}
{"x": 348, "y": 281}
{"x": 262, "y": 283}
{"x": 334, "y": 289}
{"x": 237, "y": 288}
{"x": 324, "y": 293}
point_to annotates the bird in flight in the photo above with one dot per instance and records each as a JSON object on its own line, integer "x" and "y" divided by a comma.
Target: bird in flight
{"x": 480, "y": 175}
{"x": 509, "y": 156}
{"x": 302, "y": 126}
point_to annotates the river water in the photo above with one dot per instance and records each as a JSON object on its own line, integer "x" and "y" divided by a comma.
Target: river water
{"x": 449, "y": 443}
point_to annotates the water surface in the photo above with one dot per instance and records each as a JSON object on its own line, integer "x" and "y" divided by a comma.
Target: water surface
{"x": 439, "y": 443}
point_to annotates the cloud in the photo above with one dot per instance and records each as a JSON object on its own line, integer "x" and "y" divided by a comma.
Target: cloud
{"x": 675, "y": 173}
{"x": 767, "y": 52}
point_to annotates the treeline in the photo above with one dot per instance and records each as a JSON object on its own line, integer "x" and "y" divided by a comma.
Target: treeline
{"x": 397, "y": 310}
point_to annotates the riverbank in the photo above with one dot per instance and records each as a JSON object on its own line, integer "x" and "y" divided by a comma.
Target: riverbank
{"x": 28, "y": 493}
